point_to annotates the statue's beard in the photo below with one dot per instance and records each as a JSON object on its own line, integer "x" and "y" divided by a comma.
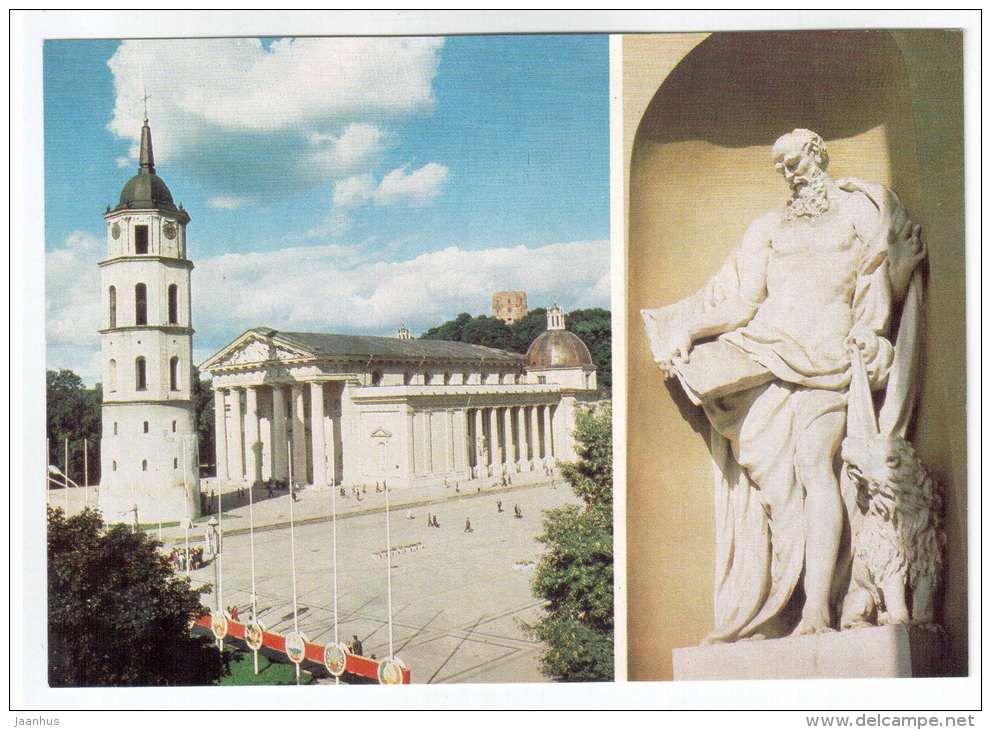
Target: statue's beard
{"x": 811, "y": 199}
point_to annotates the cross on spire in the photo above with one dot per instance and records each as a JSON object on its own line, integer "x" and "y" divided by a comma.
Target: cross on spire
{"x": 145, "y": 98}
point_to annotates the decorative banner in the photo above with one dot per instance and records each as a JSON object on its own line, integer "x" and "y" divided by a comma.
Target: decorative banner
{"x": 218, "y": 622}
{"x": 391, "y": 671}
{"x": 295, "y": 647}
{"x": 335, "y": 658}
{"x": 253, "y": 636}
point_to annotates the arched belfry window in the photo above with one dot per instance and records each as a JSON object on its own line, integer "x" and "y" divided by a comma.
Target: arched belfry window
{"x": 173, "y": 304}
{"x": 174, "y": 373}
{"x": 113, "y": 306}
{"x": 112, "y": 376}
{"x": 140, "y": 304}
{"x": 140, "y": 381}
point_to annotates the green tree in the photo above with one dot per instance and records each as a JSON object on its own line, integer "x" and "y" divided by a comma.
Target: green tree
{"x": 117, "y": 613}
{"x": 575, "y": 574}
{"x": 452, "y": 330}
{"x": 526, "y": 329}
{"x": 73, "y": 412}
{"x": 593, "y": 326}
{"x": 203, "y": 405}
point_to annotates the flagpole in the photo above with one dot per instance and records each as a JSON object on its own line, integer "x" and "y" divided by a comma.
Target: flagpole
{"x": 333, "y": 512}
{"x": 292, "y": 551}
{"x": 220, "y": 543}
{"x": 388, "y": 565}
{"x": 86, "y": 471}
{"x": 185, "y": 487}
{"x": 251, "y": 527}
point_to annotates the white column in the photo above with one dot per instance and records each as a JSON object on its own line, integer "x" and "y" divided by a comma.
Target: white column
{"x": 514, "y": 444}
{"x": 507, "y": 438}
{"x": 280, "y": 457}
{"x": 317, "y": 434}
{"x": 220, "y": 433}
{"x": 330, "y": 443}
{"x": 450, "y": 441}
{"x": 298, "y": 434}
{"x": 466, "y": 441}
{"x": 479, "y": 442}
{"x": 548, "y": 432}
{"x": 265, "y": 426}
{"x": 493, "y": 440}
{"x": 410, "y": 446}
{"x": 534, "y": 436}
{"x": 235, "y": 457}
{"x": 428, "y": 445}
{"x": 252, "y": 439}
{"x": 349, "y": 436}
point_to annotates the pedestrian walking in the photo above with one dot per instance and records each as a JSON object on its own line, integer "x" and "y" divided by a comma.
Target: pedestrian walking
{"x": 468, "y": 525}
{"x": 517, "y": 512}
{"x": 499, "y": 505}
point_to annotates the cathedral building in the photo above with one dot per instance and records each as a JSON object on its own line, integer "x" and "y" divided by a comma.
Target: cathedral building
{"x": 148, "y": 451}
{"x": 349, "y": 409}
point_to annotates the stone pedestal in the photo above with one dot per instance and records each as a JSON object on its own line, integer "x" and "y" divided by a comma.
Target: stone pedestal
{"x": 882, "y": 651}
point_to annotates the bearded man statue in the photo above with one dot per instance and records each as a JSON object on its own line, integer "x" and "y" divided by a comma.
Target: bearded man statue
{"x": 766, "y": 349}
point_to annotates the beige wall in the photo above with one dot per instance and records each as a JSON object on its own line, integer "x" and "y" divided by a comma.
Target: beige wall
{"x": 705, "y": 111}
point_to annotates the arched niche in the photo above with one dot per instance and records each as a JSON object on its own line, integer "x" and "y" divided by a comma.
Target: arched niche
{"x": 699, "y": 172}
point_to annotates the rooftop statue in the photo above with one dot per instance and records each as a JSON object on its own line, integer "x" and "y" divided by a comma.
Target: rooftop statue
{"x": 782, "y": 349}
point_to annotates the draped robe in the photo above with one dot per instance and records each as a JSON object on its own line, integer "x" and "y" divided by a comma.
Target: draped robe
{"x": 757, "y": 432}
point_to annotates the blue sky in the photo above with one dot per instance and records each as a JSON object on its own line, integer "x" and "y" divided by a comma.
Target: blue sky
{"x": 385, "y": 180}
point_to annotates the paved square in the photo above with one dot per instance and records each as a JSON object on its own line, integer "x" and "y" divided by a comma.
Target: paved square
{"x": 457, "y": 602}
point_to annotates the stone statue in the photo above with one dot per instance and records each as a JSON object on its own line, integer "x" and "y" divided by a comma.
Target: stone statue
{"x": 782, "y": 349}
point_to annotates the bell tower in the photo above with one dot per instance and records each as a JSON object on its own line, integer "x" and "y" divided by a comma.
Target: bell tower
{"x": 149, "y": 449}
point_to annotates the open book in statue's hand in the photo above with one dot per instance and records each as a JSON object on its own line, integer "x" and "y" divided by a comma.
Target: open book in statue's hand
{"x": 713, "y": 369}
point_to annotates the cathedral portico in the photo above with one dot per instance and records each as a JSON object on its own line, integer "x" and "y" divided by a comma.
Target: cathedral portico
{"x": 403, "y": 411}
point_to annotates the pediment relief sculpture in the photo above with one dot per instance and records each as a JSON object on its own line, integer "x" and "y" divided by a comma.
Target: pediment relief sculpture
{"x": 259, "y": 351}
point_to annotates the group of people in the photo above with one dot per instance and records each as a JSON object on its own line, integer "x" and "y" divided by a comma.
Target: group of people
{"x": 178, "y": 559}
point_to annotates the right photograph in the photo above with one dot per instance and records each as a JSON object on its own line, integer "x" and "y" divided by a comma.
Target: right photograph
{"x": 796, "y": 423}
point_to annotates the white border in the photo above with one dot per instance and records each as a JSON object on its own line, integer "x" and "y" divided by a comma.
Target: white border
{"x": 28, "y": 686}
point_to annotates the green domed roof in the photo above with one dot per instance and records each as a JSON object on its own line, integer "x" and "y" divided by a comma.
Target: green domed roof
{"x": 146, "y": 189}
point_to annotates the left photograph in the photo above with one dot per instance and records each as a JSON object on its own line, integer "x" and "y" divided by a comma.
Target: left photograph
{"x": 328, "y": 353}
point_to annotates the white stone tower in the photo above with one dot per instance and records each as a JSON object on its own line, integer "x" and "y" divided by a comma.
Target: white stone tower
{"x": 149, "y": 450}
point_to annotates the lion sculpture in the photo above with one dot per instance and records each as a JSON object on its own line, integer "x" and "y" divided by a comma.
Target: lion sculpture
{"x": 898, "y": 543}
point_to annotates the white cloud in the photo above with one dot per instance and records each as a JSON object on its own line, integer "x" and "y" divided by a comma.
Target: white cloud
{"x": 353, "y": 191}
{"x": 357, "y": 146}
{"x": 287, "y": 115}
{"x": 227, "y": 202}
{"x": 124, "y": 161}
{"x": 416, "y": 188}
{"x": 338, "y": 289}
{"x": 328, "y": 288}
{"x": 397, "y": 187}
{"x": 72, "y": 283}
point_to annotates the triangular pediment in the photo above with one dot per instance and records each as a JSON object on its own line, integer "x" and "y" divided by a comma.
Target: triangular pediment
{"x": 254, "y": 348}
{"x": 381, "y": 433}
